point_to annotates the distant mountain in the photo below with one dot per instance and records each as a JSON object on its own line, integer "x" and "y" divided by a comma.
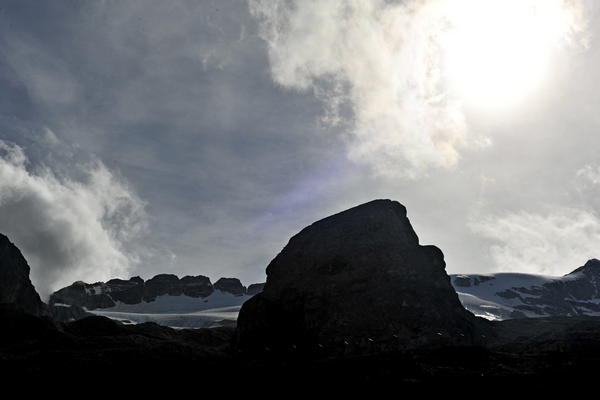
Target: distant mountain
{"x": 189, "y": 302}
{"x": 193, "y": 301}
{"x": 513, "y": 295}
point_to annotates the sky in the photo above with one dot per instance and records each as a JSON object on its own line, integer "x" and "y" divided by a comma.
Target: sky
{"x": 195, "y": 137}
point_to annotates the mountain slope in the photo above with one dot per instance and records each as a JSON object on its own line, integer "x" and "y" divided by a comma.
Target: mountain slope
{"x": 217, "y": 309}
{"x": 189, "y": 302}
{"x": 513, "y": 295}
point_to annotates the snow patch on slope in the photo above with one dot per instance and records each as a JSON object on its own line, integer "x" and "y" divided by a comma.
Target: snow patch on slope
{"x": 179, "y": 311}
{"x": 510, "y": 295}
{"x": 484, "y": 308}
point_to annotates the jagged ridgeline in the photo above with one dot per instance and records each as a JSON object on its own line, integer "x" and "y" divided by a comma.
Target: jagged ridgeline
{"x": 517, "y": 295}
{"x": 109, "y": 294}
{"x": 189, "y": 302}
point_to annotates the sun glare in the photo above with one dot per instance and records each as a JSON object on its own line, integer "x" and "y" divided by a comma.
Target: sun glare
{"x": 496, "y": 52}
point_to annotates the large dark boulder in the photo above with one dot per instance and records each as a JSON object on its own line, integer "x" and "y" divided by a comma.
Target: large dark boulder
{"x": 357, "y": 282}
{"x": 16, "y": 289}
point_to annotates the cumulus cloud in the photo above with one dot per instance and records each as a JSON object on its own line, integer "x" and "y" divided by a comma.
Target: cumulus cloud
{"x": 554, "y": 242}
{"x": 381, "y": 60}
{"x": 68, "y": 227}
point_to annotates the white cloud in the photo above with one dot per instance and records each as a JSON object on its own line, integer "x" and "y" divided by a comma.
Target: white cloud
{"x": 382, "y": 59}
{"x": 68, "y": 229}
{"x": 555, "y": 242}
{"x": 587, "y": 177}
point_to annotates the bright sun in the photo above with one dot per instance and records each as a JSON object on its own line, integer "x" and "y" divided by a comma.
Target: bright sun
{"x": 498, "y": 52}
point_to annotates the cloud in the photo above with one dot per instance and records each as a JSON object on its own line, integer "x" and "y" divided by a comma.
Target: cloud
{"x": 588, "y": 178}
{"x": 380, "y": 64}
{"x": 554, "y": 242}
{"x": 380, "y": 60}
{"x": 68, "y": 228}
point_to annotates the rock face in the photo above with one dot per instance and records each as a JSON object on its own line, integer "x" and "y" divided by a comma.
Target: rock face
{"x": 67, "y": 313}
{"x": 255, "y": 288}
{"x": 356, "y": 282}
{"x": 231, "y": 285}
{"x": 97, "y": 295}
{"x": 135, "y": 291}
{"x": 512, "y": 295}
{"x": 16, "y": 288}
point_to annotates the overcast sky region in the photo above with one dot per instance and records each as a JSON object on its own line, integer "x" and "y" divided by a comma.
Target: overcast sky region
{"x": 140, "y": 137}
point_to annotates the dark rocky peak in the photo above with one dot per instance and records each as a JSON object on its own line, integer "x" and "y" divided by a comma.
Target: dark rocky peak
{"x": 122, "y": 282}
{"x": 16, "y": 289}
{"x": 136, "y": 290}
{"x": 126, "y": 291}
{"x": 90, "y": 296}
{"x": 168, "y": 284}
{"x": 137, "y": 280}
{"x": 160, "y": 285}
{"x": 196, "y": 286}
{"x": 132, "y": 291}
{"x": 163, "y": 279}
{"x": 355, "y": 282}
{"x": 374, "y": 216}
{"x": 591, "y": 268}
{"x": 199, "y": 280}
{"x": 230, "y": 285}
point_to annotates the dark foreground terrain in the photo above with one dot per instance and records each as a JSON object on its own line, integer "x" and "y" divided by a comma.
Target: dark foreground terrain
{"x": 534, "y": 353}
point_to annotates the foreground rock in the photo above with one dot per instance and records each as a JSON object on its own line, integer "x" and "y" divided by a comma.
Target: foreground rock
{"x": 357, "y": 282}
{"x": 138, "y": 357}
{"x": 16, "y": 288}
{"x": 96, "y": 346}
{"x": 513, "y": 295}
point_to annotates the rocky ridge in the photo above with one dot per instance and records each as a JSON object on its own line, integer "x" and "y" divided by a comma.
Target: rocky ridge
{"x": 511, "y": 295}
{"x": 102, "y": 295}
